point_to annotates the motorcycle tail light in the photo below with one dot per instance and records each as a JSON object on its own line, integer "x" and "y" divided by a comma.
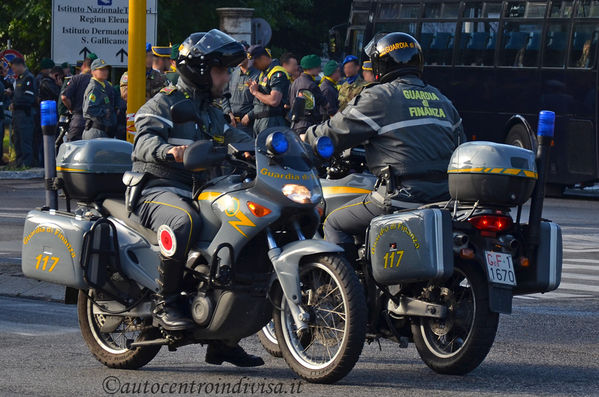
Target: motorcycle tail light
{"x": 491, "y": 223}
{"x": 258, "y": 210}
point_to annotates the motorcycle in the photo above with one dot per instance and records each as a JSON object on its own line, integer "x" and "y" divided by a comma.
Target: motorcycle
{"x": 439, "y": 275}
{"x": 252, "y": 261}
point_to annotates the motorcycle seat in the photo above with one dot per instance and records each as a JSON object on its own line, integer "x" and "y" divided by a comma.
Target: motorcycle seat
{"x": 117, "y": 209}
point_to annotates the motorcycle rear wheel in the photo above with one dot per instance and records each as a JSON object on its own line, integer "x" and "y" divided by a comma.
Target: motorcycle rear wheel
{"x": 334, "y": 298}
{"x": 110, "y": 347}
{"x": 458, "y": 344}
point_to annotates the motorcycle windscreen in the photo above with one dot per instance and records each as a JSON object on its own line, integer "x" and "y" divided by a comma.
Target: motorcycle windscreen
{"x": 411, "y": 246}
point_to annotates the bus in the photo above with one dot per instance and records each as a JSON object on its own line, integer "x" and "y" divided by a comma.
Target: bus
{"x": 501, "y": 62}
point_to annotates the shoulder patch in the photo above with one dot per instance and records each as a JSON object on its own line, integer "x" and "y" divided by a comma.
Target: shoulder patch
{"x": 92, "y": 97}
{"x": 169, "y": 90}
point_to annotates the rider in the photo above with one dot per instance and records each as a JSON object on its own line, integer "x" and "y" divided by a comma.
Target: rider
{"x": 165, "y": 203}
{"x": 405, "y": 125}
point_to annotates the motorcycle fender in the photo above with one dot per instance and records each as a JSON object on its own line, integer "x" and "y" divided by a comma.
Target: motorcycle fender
{"x": 286, "y": 263}
{"x": 500, "y": 298}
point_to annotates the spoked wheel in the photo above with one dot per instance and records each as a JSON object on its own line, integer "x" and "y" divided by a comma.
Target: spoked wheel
{"x": 459, "y": 343}
{"x": 107, "y": 337}
{"x": 334, "y": 300}
{"x": 268, "y": 339}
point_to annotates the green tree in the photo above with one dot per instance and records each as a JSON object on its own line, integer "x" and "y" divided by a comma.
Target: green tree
{"x": 27, "y": 24}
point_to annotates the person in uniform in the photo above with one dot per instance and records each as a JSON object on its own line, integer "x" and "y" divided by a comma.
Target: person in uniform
{"x": 306, "y": 87}
{"x": 99, "y": 103}
{"x": 353, "y": 83}
{"x": 50, "y": 85}
{"x": 161, "y": 58}
{"x": 23, "y": 102}
{"x": 3, "y": 103}
{"x": 72, "y": 98}
{"x": 166, "y": 199}
{"x": 409, "y": 131}
{"x": 290, "y": 62}
{"x": 155, "y": 80}
{"x": 238, "y": 101}
{"x": 271, "y": 92}
{"x": 172, "y": 76}
{"x": 328, "y": 86}
{"x": 367, "y": 72}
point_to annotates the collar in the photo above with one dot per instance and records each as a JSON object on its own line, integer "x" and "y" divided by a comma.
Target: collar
{"x": 195, "y": 93}
{"x": 351, "y": 80}
{"x": 103, "y": 84}
{"x": 310, "y": 76}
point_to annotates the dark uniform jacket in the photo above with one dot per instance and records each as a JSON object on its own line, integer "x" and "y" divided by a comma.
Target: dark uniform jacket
{"x": 273, "y": 78}
{"x": 306, "y": 85}
{"x": 406, "y": 124}
{"x": 75, "y": 91}
{"x": 156, "y": 133}
{"x": 331, "y": 93}
{"x": 24, "y": 94}
{"x": 241, "y": 101}
{"x": 49, "y": 90}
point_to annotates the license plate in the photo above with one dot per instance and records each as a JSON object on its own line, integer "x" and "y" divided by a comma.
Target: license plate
{"x": 501, "y": 268}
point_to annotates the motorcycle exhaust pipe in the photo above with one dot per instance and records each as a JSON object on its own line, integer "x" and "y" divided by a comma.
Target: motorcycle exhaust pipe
{"x": 48, "y": 118}
{"x": 544, "y": 137}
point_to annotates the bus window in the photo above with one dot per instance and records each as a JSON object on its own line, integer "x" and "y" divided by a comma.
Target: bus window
{"x": 524, "y": 9}
{"x": 410, "y": 11}
{"x": 388, "y": 27}
{"x": 473, "y": 10}
{"x": 584, "y": 46}
{"x": 588, "y": 9}
{"x": 492, "y": 10}
{"x": 556, "y": 44}
{"x": 441, "y": 35}
{"x": 389, "y": 11}
{"x": 476, "y": 45}
{"x": 520, "y": 44}
{"x": 561, "y": 9}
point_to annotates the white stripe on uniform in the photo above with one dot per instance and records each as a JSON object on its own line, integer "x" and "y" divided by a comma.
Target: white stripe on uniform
{"x": 164, "y": 120}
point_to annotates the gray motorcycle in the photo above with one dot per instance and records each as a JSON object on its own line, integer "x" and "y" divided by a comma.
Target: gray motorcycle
{"x": 251, "y": 263}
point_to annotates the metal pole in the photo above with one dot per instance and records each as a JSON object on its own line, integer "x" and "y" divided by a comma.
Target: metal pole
{"x": 544, "y": 137}
{"x": 48, "y": 118}
{"x": 136, "y": 86}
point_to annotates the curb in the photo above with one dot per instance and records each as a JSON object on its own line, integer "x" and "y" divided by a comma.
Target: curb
{"x": 33, "y": 173}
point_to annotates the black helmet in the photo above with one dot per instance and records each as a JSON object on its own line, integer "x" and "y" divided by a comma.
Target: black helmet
{"x": 201, "y": 51}
{"x": 394, "y": 54}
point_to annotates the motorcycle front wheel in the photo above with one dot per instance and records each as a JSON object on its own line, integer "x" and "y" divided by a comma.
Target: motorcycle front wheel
{"x": 458, "y": 343}
{"x": 268, "y": 339}
{"x": 107, "y": 337}
{"x": 334, "y": 299}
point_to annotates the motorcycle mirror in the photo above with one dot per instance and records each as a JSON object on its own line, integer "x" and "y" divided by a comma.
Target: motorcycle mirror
{"x": 298, "y": 109}
{"x": 183, "y": 112}
{"x": 202, "y": 154}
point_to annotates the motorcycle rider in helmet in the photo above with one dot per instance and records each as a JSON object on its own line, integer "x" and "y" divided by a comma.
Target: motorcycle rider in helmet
{"x": 409, "y": 131}
{"x": 165, "y": 204}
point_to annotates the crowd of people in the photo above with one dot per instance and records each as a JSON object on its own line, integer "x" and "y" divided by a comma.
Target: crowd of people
{"x": 260, "y": 94}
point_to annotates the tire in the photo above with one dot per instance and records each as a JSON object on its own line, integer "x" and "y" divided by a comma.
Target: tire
{"x": 519, "y": 136}
{"x": 340, "y": 299}
{"x": 268, "y": 339}
{"x": 97, "y": 343}
{"x": 478, "y": 331}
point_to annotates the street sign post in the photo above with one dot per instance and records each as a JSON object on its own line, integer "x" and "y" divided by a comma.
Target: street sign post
{"x": 99, "y": 26}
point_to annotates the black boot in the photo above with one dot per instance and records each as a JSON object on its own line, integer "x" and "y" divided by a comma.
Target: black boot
{"x": 218, "y": 352}
{"x": 166, "y": 311}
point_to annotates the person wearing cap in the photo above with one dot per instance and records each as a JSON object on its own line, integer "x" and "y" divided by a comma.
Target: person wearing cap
{"x": 305, "y": 86}
{"x": 237, "y": 100}
{"x": 155, "y": 80}
{"x": 161, "y": 58}
{"x": 353, "y": 83}
{"x": 172, "y": 76}
{"x": 367, "y": 72}
{"x": 98, "y": 103}
{"x": 328, "y": 86}
{"x": 270, "y": 91}
{"x": 23, "y": 102}
{"x": 72, "y": 98}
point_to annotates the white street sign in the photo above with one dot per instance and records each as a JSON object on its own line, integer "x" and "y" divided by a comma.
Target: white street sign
{"x": 99, "y": 26}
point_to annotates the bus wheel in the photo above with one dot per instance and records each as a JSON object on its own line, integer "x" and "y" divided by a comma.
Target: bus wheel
{"x": 518, "y": 136}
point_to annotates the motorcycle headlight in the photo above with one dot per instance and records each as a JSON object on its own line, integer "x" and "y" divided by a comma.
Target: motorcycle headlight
{"x": 298, "y": 193}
